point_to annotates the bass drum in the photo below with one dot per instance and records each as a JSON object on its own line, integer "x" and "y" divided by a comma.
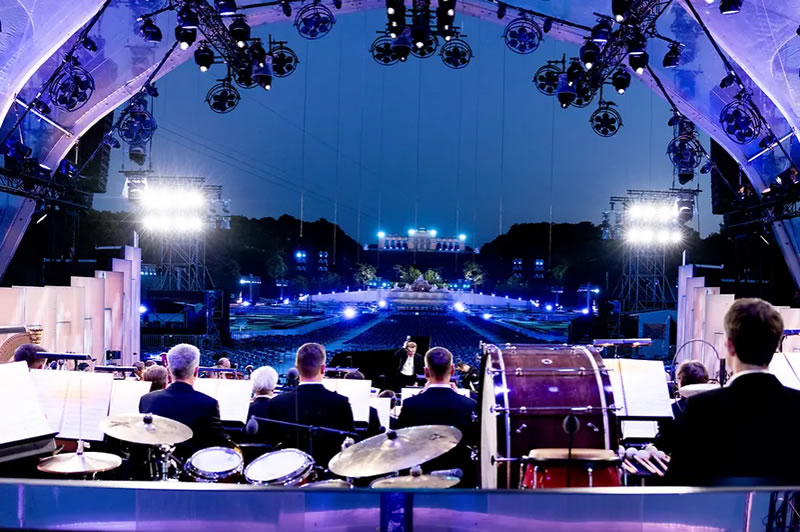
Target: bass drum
{"x": 526, "y": 392}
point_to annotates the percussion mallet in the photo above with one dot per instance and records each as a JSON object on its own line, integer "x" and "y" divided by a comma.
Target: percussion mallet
{"x": 655, "y": 455}
{"x": 631, "y": 454}
{"x": 644, "y": 456}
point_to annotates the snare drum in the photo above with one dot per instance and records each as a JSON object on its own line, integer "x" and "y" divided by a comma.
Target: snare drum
{"x": 526, "y": 392}
{"x": 287, "y": 467}
{"x": 587, "y": 468}
{"x": 215, "y": 464}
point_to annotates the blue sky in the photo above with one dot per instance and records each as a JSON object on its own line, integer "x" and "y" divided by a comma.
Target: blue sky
{"x": 411, "y": 144}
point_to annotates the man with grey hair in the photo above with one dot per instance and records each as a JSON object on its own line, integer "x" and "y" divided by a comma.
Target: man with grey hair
{"x": 264, "y": 380}
{"x": 181, "y": 402}
{"x": 312, "y": 404}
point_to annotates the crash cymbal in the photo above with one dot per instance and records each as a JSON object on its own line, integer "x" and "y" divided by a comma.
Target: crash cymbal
{"x": 395, "y": 450}
{"x": 148, "y": 429}
{"x": 427, "y": 482}
{"x": 79, "y": 463}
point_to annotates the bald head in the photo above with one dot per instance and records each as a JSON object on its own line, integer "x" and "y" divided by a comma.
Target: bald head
{"x": 438, "y": 365}
{"x": 310, "y": 361}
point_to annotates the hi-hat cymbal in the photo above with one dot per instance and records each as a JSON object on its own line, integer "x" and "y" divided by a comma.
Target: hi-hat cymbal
{"x": 148, "y": 429}
{"x": 79, "y": 463}
{"x": 395, "y": 450}
{"x": 428, "y": 482}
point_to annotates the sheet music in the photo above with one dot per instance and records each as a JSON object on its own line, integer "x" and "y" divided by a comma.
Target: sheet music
{"x": 639, "y": 429}
{"x": 785, "y": 366}
{"x": 21, "y": 415}
{"x": 356, "y": 391}
{"x": 233, "y": 396}
{"x": 383, "y": 406}
{"x": 640, "y": 387}
{"x": 75, "y": 402}
{"x": 125, "y": 395}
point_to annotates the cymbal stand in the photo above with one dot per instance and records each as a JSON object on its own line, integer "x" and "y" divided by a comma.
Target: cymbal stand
{"x": 165, "y": 458}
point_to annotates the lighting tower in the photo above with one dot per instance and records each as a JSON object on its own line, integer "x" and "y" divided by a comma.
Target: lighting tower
{"x": 175, "y": 213}
{"x": 651, "y": 224}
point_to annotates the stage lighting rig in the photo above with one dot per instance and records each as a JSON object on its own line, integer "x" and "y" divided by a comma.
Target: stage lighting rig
{"x": 240, "y": 31}
{"x": 574, "y": 71}
{"x": 639, "y": 62}
{"x": 136, "y": 123}
{"x": 185, "y": 37}
{"x": 621, "y": 80}
{"x": 501, "y": 11}
{"x": 284, "y": 60}
{"x": 149, "y": 31}
{"x": 204, "y": 57}
{"x": 606, "y": 120}
{"x": 739, "y": 119}
{"x": 601, "y": 32}
{"x": 522, "y": 35}
{"x": 223, "y": 97}
{"x": 401, "y": 45}
{"x": 730, "y": 7}
{"x": 381, "y": 50}
{"x": 263, "y": 74}
{"x": 456, "y": 53}
{"x": 546, "y": 78}
{"x": 225, "y": 8}
{"x": 566, "y": 93}
{"x": 429, "y": 42}
{"x": 589, "y": 54}
{"x": 673, "y": 57}
{"x": 684, "y": 150}
{"x": 314, "y": 21}
{"x": 72, "y": 87}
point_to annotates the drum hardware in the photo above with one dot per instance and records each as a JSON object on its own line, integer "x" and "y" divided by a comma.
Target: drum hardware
{"x": 519, "y": 372}
{"x": 252, "y": 428}
{"x": 558, "y": 468}
{"x": 497, "y": 409}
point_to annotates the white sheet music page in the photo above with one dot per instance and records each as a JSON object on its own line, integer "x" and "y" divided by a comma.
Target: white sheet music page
{"x": 383, "y": 406}
{"x": 639, "y": 429}
{"x": 645, "y": 386}
{"x": 615, "y": 377}
{"x": 75, "y": 402}
{"x": 21, "y": 415}
{"x": 233, "y": 396}
{"x": 125, "y": 395}
{"x": 784, "y": 366}
{"x": 356, "y": 391}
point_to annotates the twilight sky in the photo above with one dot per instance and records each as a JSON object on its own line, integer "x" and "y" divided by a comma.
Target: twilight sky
{"x": 414, "y": 144}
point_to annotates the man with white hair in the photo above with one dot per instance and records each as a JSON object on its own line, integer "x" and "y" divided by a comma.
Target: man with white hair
{"x": 264, "y": 380}
{"x": 181, "y": 402}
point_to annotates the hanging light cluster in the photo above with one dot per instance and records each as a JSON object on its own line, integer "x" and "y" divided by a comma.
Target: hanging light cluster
{"x": 684, "y": 150}
{"x": 420, "y": 32}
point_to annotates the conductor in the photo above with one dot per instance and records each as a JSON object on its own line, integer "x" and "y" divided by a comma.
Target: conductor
{"x": 409, "y": 364}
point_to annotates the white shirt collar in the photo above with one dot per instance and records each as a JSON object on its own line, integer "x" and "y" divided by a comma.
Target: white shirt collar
{"x": 309, "y": 382}
{"x": 745, "y": 372}
{"x": 438, "y": 386}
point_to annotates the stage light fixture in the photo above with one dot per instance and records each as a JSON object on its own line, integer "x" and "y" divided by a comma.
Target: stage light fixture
{"x": 284, "y": 60}
{"x": 263, "y": 74}
{"x": 240, "y": 31}
{"x": 673, "y": 56}
{"x": 433, "y": 233}
{"x": 41, "y": 106}
{"x": 566, "y": 92}
{"x": 601, "y": 31}
{"x": 136, "y": 124}
{"x": 639, "y": 62}
{"x": 522, "y": 35}
{"x": 462, "y": 237}
{"x": 381, "y": 234}
{"x": 456, "y": 53}
{"x": 286, "y": 7}
{"x": 204, "y": 57}
{"x": 401, "y": 46}
{"x": 89, "y": 44}
{"x": 547, "y": 25}
{"x": 225, "y": 8}
{"x": 730, "y": 7}
{"x": 501, "y": 11}
{"x": 458, "y": 306}
{"x": 412, "y": 232}
{"x": 187, "y": 18}
{"x": 727, "y": 81}
{"x": 589, "y": 53}
{"x": 72, "y": 88}
{"x": 381, "y": 51}
{"x": 223, "y": 97}
{"x": 349, "y": 313}
{"x": 382, "y": 303}
{"x": 637, "y": 45}
{"x": 150, "y": 31}
{"x": 546, "y": 79}
{"x": 243, "y": 77}
{"x": 620, "y": 8}
{"x": 185, "y": 37}
{"x": 605, "y": 120}
{"x": 257, "y": 54}
{"x": 337, "y": 4}
{"x": 621, "y": 80}
{"x": 740, "y": 121}
{"x": 429, "y": 45}
{"x": 314, "y": 21}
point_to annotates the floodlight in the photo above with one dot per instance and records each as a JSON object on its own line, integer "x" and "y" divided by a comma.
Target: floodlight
{"x": 676, "y": 237}
{"x": 382, "y": 303}
{"x": 433, "y": 232}
{"x": 487, "y": 316}
{"x": 381, "y": 234}
{"x": 548, "y": 307}
{"x": 412, "y": 232}
{"x": 585, "y": 311}
{"x": 142, "y": 309}
{"x": 349, "y": 313}
{"x": 458, "y": 306}
{"x": 462, "y": 237}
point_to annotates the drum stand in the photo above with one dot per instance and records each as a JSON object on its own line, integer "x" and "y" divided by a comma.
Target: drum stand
{"x": 165, "y": 459}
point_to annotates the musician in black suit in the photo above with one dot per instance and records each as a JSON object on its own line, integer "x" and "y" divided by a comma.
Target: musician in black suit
{"x": 689, "y": 372}
{"x": 264, "y": 380}
{"x": 440, "y": 404}
{"x": 744, "y": 433}
{"x": 409, "y": 364}
{"x": 311, "y": 404}
{"x": 181, "y": 402}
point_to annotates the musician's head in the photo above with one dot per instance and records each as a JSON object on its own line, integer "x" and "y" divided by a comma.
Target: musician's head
{"x": 310, "y": 362}
{"x": 183, "y": 362}
{"x": 691, "y": 372}
{"x": 462, "y": 366}
{"x": 138, "y": 367}
{"x": 224, "y": 362}
{"x": 28, "y": 353}
{"x": 754, "y": 329}
{"x": 156, "y": 376}
{"x": 355, "y": 375}
{"x": 411, "y": 347}
{"x": 438, "y": 365}
{"x": 264, "y": 380}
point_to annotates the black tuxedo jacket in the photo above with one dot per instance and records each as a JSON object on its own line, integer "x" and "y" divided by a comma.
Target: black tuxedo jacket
{"x": 665, "y": 439}
{"x": 259, "y": 407}
{"x": 198, "y": 411}
{"x": 311, "y": 404}
{"x": 744, "y": 433}
{"x": 400, "y": 359}
{"x": 443, "y": 406}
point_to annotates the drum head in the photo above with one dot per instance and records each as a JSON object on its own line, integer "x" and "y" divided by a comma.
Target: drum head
{"x": 279, "y": 467}
{"x": 328, "y": 484}
{"x": 216, "y": 460}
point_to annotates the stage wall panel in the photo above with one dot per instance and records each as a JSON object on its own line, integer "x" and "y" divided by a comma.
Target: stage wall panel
{"x": 134, "y": 255}
{"x": 40, "y": 309}
{"x": 124, "y": 266}
{"x": 113, "y": 308}
{"x": 12, "y": 308}
{"x": 691, "y": 318}
{"x": 69, "y": 318}
{"x": 94, "y": 303}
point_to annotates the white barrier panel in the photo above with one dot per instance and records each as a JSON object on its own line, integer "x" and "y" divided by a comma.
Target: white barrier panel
{"x": 113, "y": 309}
{"x": 40, "y": 309}
{"x": 124, "y": 266}
{"x": 69, "y": 318}
{"x": 12, "y": 308}
{"x": 94, "y": 303}
{"x": 689, "y": 317}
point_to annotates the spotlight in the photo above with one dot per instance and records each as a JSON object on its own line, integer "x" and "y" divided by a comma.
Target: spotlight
{"x": 685, "y": 177}
{"x": 41, "y": 106}
{"x": 204, "y": 57}
{"x": 89, "y": 44}
{"x": 72, "y": 88}
{"x": 706, "y": 168}
{"x": 673, "y": 57}
{"x": 284, "y": 61}
{"x": 522, "y": 35}
{"x": 257, "y": 54}
{"x": 730, "y": 7}
{"x": 547, "y": 25}
{"x": 433, "y": 233}
{"x": 223, "y": 97}
{"x": 621, "y": 80}
{"x": 150, "y": 31}
{"x": 240, "y": 31}
{"x": 381, "y": 234}
{"x": 142, "y": 309}
{"x": 601, "y": 31}
{"x": 382, "y": 303}
{"x": 487, "y": 316}
{"x": 605, "y": 120}
{"x": 401, "y": 46}
{"x": 225, "y": 8}
{"x": 286, "y": 7}
{"x": 566, "y": 92}
{"x": 501, "y": 11}
{"x": 263, "y": 74}
{"x": 637, "y": 45}
{"x": 639, "y": 62}
{"x": 462, "y": 237}
{"x": 458, "y": 306}
{"x": 185, "y": 37}
{"x": 349, "y": 313}
{"x": 589, "y": 53}
{"x": 620, "y": 9}
{"x": 546, "y": 79}
{"x": 396, "y": 14}
{"x": 740, "y": 122}
{"x": 727, "y": 81}
{"x": 382, "y": 52}
{"x": 574, "y": 71}
{"x": 187, "y": 19}
{"x": 456, "y": 53}
{"x": 314, "y": 21}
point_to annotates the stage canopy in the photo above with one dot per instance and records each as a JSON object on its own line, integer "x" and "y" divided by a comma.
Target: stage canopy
{"x": 761, "y": 42}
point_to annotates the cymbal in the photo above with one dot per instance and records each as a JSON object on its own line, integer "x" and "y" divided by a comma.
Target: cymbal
{"x": 79, "y": 463}
{"x": 395, "y": 450}
{"x": 429, "y": 482}
{"x": 134, "y": 428}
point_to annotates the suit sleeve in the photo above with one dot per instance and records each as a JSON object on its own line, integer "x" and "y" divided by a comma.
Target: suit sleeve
{"x": 405, "y": 418}
{"x": 215, "y": 429}
{"x": 142, "y": 405}
{"x": 683, "y": 469}
{"x": 346, "y": 416}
